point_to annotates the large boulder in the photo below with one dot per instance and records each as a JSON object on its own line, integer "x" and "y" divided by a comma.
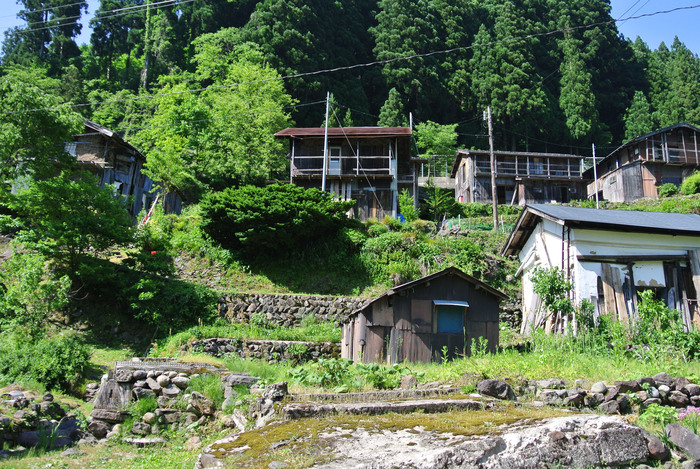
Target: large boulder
{"x": 685, "y": 439}
{"x": 495, "y": 388}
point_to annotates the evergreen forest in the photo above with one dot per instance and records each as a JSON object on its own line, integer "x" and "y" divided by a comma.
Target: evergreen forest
{"x": 201, "y": 85}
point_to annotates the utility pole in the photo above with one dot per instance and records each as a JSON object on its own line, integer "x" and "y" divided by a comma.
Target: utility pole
{"x": 325, "y": 144}
{"x": 494, "y": 193}
{"x": 595, "y": 176}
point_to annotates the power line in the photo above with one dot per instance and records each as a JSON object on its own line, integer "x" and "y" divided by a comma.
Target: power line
{"x": 47, "y": 8}
{"x": 366, "y": 64}
{"x": 121, "y": 12}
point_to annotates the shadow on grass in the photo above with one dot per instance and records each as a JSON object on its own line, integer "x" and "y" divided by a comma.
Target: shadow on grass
{"x": 310, "y": 273}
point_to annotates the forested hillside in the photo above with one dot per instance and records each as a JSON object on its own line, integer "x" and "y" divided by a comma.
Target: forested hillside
{"x": 218, "y": 77}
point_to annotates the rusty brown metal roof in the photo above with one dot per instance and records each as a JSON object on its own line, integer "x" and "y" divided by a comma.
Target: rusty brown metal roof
{"x": 318, "y": 132}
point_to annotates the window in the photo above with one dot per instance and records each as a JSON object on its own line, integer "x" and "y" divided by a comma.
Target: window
{"x": 334, "y": 160}
{"x": 450, "y": 316}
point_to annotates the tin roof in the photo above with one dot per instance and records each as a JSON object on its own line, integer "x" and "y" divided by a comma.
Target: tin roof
{"x": 318, "y": 132}
{"x": 597, "y": 219}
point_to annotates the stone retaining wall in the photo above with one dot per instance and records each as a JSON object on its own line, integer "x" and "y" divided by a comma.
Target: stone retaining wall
{"x": 286, "y": 310}
{"x": 273, "y": 351}
{"x": 289, "y": 310}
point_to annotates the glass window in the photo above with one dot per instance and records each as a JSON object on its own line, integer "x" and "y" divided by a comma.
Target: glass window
{"x": 450, "y": 318}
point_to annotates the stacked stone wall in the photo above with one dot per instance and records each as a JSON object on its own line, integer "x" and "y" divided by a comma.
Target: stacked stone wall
{"x": 286, "y": 310}
{"x": 273, "y": 351}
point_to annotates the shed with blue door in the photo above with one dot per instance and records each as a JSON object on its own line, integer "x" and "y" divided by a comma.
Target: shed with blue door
{"x": 420, "y": 320}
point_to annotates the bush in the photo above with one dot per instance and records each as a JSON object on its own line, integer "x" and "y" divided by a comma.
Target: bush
{"x": 691, "y": 184}
{"x": 275, "y": 219}
{"x": 170, "y": 303}
{"x": 407, "y": 207}
{"x": 667, "y": 190}
{"x": 57, "y": 362}
{"x": 377, "y": 229}
{"x": 475, "y": 209}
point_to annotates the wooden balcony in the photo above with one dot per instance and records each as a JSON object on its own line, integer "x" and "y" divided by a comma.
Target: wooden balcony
{"x": 547, "y": 169}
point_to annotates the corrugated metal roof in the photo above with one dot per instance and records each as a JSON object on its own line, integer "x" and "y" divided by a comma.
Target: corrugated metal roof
{"x": 318, "y": 132}
{"x": 610, "y": 220}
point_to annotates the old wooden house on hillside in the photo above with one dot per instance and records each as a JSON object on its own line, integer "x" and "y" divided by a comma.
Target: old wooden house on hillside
{"x": 521, "y": 177}
{"x": 639, "y": 166}
{"x": 370, "y": 165}
{"x": 610, "y": 255}
{"x": 115, "y": 161}
{"x": 420, "y": 320}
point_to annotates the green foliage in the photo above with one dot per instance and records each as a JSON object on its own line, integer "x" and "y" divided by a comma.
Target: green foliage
{"x": 325, "y": 372}
{"x": 553, "y": 289}
{"x": 437, "y": 142}
{"x": 657, "y": 416}
{"x": 407, "y": 207}
{"x": 210, "y": 386}
{"x": 658, "y": 330}
{"x": 275, "y": 219}
{"x": 69, "y": 216}
{"x": 377, "y": 229}
{"x": 31, "y": 142}
{"x": 310, "y": 330}
{"x": 439, "y": 203}
{"x": 344, "y": 375}
{"x": 57, "y": 362}
{"x": 690, "y": 418}
{"x": 638, "y": 119}
{"x": 142, "y": 406}
{"x": 168, "y": 303}
{"x": 667, "y": 190}
{"x": 691, "y": 184}
{"x": 30, "y": 292}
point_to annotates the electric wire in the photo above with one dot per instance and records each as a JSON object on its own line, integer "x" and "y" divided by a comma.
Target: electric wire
{"x": 359, "y": 164}
{"x": 366, "y": 64}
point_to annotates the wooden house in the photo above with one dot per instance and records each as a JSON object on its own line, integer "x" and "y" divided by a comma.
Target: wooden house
{"x": 610, "y": 255}
{"x": 521, "y": 177}
{"x": 639, "y": 166}
{"x": 420, "y": 320}
{"x": 370, "y": 165}
{"x": 115, "y": 161}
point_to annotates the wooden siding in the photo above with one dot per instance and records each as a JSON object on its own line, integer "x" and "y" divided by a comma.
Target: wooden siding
{"x": 402, "y": 326}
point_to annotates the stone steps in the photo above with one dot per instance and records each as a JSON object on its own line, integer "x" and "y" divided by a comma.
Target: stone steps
{"x": 304, "y": 410}
{"x": 374, "y": 396}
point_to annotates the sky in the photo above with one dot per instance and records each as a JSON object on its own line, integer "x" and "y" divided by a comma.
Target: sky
{"x": 652, "y": 29}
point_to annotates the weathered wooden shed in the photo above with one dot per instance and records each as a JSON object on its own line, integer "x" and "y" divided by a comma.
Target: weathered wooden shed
{"x": 416, "y": 320}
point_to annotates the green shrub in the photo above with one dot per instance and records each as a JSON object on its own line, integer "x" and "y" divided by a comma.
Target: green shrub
{"x": 377, "y": 229}
{"x": 667, "y": 190}
{"x": 170, "y": 303}
{"x": 691, "y": 184}
{"x": 475, "y": 209}
{"x": 57, "y": 362}
{"x": 657, "y": 415}
{"x": 274, "y": 219}
{"x": 407, "y": 207}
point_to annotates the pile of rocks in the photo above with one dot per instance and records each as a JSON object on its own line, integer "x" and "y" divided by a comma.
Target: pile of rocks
{"x": 287, "y": 310}
{"x": 176, "y": 405}
{"x": 272, "y": 351}
{"x": 27, "y": 422}
{"x": 620, "y": 397}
